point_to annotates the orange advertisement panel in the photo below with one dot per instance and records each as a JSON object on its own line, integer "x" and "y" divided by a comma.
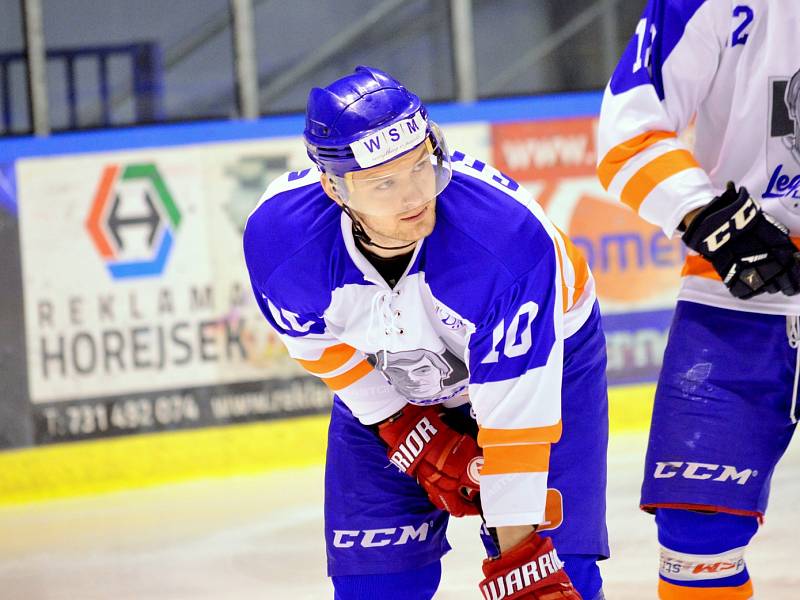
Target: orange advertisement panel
{"x": 535, "y": 150}
{"x": 635, "y": 265}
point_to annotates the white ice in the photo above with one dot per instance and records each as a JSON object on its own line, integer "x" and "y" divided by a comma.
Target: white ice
{"x": 261, "y": 537}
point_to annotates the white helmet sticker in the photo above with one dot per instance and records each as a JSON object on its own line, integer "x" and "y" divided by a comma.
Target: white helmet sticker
{"x": 389, "y": 142}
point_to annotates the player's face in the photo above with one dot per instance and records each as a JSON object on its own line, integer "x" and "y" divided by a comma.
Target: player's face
{"x": 397, "y": 200}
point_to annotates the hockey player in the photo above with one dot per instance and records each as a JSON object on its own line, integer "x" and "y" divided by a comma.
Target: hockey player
{"x": 433, "y": 296}
{"x": 725, "y": 406}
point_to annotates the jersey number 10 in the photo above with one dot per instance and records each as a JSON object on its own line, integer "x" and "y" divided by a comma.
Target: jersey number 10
{"x": 513, "y": 347}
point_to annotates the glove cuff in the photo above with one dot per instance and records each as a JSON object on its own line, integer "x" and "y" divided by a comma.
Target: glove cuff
{"x": 533, "y": 544}
{"x": 692, "y": 236}
{"x": 531, "y": 569}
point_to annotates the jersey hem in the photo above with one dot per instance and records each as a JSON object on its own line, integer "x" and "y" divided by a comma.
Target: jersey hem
{"x": 750, "y": 306}
{"x": 650, "y": 507}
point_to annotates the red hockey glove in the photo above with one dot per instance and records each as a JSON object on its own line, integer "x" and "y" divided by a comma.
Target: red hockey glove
{"x": 445, "y": 462}
{"x": 531, "y": 570}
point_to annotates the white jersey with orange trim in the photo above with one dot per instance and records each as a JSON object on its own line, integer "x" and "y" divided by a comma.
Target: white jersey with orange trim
{"x": 480, "y": 315}
{"x": 734, "y": 66}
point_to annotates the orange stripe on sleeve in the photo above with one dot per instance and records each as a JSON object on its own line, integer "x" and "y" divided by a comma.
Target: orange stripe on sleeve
{"x": 579, "y": 265}
{"x": 332, "y": 358}
{"x": 700, "y": 267}
{"x": 526, "y": 458}
{"x": 348, "y": 377}
{"x": 670, "y": 591}
{"x": 531, "y": 435}
{"x": 616, "y": 158}
{"x": 564, "y": 288}
{"x": 653, "y": 173}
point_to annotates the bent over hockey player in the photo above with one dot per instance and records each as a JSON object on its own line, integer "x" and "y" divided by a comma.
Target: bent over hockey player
{"x": 726, "y": 402}
{"x": 458, "y": 328}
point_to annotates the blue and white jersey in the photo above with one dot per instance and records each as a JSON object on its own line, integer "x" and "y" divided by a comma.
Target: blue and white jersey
{"x": 480, "y": 315}
{"x": 733, "y": 68}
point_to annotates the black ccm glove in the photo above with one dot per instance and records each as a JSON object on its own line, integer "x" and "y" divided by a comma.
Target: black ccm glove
{"x": 750, "y": 250}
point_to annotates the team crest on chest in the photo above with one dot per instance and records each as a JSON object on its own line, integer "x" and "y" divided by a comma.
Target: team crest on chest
{"x": 421, "y": 375}
{"x": 783, "y": 144}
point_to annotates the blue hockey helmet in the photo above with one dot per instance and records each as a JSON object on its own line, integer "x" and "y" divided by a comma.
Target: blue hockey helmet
{"x": 365, "y": 120}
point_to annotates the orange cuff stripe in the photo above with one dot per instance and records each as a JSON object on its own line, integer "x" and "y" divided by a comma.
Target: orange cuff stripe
{"x": 653, "y": 173}
{"x": 349, "y": 377}
{"x": 527, "y": 458}
{"x": 332, "y": 358}
{"x": 532, "y": 435}
{"x": 670, "y": 591}
{"x": 616, "y": 158}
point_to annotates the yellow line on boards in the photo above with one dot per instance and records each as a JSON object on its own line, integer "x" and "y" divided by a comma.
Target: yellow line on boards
{"x": 97, "y": 466}
{"x": 81, "y": 468}
{"x": 630, "y": 407}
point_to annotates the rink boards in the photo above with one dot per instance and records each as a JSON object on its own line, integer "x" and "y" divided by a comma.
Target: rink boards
{"x": 81, "y": 468}
{"x": 132, "y": 350}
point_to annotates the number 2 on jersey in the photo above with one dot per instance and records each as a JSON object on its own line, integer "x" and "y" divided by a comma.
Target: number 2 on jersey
{"x": 740, "y": 35}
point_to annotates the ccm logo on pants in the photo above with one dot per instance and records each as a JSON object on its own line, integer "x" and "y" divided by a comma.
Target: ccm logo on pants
{"x": 374, "y": 538}
{"x": 695, "y": 470}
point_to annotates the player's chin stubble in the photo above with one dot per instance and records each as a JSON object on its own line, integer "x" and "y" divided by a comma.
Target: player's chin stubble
{"x": 401, "y": 231}
{"x": 412, "y": 232}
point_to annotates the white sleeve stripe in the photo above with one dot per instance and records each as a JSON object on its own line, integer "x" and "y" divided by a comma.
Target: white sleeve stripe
{"x": 567, "y": 269}
{"x": 635, "y": 163}
{"x": 510, "y": 404}
{"x": 673, "y": 197}
{"x": 514, "y": 498}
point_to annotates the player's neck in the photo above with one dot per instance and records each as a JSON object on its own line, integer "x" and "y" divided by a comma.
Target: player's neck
{"x": 383, "y": 246}
{"x": 390, "y": 253}
{"x": 385, "y": 253}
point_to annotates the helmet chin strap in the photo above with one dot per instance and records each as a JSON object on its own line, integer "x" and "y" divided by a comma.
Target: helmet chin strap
{"x": 361, "y": 235}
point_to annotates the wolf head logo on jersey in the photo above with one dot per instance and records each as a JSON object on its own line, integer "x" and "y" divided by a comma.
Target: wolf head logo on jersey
{"x": 783, "y": 146}
{"x": 792, "y": 99}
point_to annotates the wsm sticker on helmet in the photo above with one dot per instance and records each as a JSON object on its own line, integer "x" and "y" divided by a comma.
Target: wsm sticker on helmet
{"x": 390, "y": 141}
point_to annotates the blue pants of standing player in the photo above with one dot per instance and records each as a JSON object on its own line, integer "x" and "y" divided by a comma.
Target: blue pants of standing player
{"x": 385, "y": 539}
{"x": 723, "y": 417}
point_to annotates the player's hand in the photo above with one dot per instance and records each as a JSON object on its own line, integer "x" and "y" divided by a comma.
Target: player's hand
{"x": 751, "y": 251}
{"x": 446, "y": 463}
{"x": 531, "y": 570}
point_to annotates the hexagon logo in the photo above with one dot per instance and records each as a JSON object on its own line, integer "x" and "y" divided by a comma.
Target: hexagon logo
{"x": 133, "y": 221}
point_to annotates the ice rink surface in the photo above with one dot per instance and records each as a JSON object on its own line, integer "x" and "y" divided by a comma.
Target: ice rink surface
{"x": 261, "y": 537}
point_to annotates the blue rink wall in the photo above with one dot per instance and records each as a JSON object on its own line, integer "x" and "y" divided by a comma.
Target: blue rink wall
{"x": 131, "y": 352}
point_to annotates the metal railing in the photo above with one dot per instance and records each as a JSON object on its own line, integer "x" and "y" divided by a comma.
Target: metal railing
{"x": 257, "y": 90}
{"x": 146, "y": 80}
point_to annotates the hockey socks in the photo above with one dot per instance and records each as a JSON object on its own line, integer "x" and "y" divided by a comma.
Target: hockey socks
{"x": 416, "y": 584}
{"x": 702, "y": 555}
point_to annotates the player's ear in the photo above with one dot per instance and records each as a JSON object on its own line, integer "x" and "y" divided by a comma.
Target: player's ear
{"x": 330, "y": 188}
